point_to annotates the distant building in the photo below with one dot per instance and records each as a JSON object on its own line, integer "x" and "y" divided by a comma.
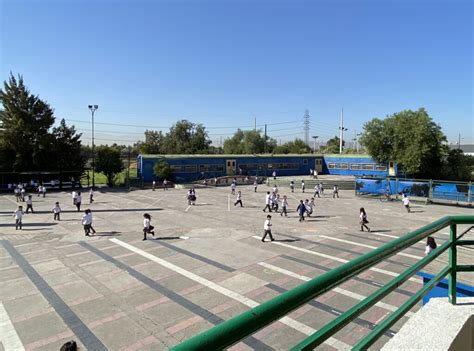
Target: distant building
{"x": 467, "y": 149}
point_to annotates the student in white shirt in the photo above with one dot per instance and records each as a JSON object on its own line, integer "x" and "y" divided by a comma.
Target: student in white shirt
{"x": 43, "y": 189}
{"x": 267, "y": 229}
{"x": 78, "y": 201}
{"x": 430, "y": 245}
{"x": 292, "y": 186}
{"x": 87, "y": 221}
{"x": 29, "y": 204}
{"x": 284, "y": 206}
{"x": 153, "y": 185}
{"x": 303, "y": 187}
{"x": 147, "y": 227}
{"x": 18, "y": 214}
{"x": 268, "y": 202}
{"x": 406, "y": 202}
{"x": 238, "y": 200}
{"x": 232, "y": 188}
{"x": 363, "y": 220}
{"x": 255, "y": 184}
{"x": 57, "y": 211}
{"x": 165, "y": 184}
{"x": 91, "y": 195}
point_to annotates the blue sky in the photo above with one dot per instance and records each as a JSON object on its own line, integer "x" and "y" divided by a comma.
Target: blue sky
{"x": 224, "y": 63}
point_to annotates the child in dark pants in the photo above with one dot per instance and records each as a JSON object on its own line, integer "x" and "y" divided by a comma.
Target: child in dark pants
{"x": 363, "y": 220}
{"x": 57, "y": 211}
{"x": 29, "y": 204}
{"x": 267, "y": 229}
{"x": 147, "y": 227}
{"x": 18, "y": 214}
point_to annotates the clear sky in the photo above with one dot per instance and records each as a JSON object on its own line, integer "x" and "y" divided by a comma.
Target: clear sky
{"x": 225, "y": 63}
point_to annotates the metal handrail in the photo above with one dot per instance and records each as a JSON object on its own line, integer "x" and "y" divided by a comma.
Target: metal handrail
{"x": 245, "y": 324}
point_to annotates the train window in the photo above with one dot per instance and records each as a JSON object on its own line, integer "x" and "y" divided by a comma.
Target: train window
{"x": 356, "y": 166}
{"x": 332, "y": 165}
{"x": 305, "y": 161}
{"x": 343, "y": 165}
{"x": 368, "y": 166}
{"x": 381, "y": 168}
{"x": 211, "y": 168}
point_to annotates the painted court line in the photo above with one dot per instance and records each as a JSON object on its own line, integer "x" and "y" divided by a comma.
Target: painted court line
{"x": 336, "y": 289}
{"x": 226, "y": 292}
{"x": 368, "y": 246}
{"x": 8, "y": 336}
{"x": 374, "y": 269}
{"x": 77, "y": 326}
{"x": 187, "y": 208}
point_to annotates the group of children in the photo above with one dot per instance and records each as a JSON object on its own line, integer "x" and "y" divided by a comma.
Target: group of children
{"x": 76, "y": 199}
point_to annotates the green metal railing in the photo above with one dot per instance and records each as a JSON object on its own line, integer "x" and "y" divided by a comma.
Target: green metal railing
{"x": 247, "y": 323}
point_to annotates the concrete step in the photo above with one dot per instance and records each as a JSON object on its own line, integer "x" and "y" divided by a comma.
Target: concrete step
{"x": 328, "y": 184}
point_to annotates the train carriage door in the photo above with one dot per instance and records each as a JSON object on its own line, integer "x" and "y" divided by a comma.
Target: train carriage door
{"x": 318, "y": 165}
{"x": 230, "y": 167}
{"x": 391, "y": 169}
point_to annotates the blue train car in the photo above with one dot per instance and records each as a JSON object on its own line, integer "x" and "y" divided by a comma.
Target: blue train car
{"x": 357, "y": 165}
{"x": 188, "y": 168}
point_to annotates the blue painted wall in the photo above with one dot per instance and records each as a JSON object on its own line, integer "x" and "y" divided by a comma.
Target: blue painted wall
{"x": 303, "y": 163}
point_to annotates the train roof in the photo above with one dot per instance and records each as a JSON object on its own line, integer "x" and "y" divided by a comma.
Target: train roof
{"x": 230, "y": 156}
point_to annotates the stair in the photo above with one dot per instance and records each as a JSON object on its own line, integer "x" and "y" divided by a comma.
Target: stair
{"x": 328, "y": 184}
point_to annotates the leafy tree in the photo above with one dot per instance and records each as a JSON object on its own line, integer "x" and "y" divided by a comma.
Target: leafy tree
{"x": 67, "y": 149}
{"x": 332, "y": 145}
{"x": 162, "y": 170}
{"x": 457, "y": 166}
{"x": 108, "y": 162}
{"x": 153, "y": 142}
{"x": 186, "y": 138}
{"x": 296, "y": 146}
{"x": 248, "y": 142}
{"x": 410, "y": 139}
{"x": 26, "y": 120}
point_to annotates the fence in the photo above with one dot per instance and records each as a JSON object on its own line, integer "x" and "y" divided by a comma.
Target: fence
{"x": 431, "y": 190}
{"x": 247, "y": 323}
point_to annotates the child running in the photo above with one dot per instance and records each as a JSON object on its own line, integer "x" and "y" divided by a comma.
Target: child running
{"x": 406, "y": 202}
{"x": 301, "y": 209}
{"x": 284, "y": 206}
{"x": 238, "y": 200}
{"x": 147, "y": 227}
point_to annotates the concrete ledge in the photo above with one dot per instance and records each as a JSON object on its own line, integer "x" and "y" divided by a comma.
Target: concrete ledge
{"x": 438, "y": 326}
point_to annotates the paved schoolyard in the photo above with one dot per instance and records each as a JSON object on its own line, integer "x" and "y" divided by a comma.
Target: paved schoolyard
{"x": 114, "y": 291}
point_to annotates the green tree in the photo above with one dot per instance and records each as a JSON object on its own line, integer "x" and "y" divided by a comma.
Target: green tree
{"x": 186, "y": 138}
{"x": 26, "y": 120}
{"x": 248, "y": 142}
{"x": 162, "y": 170}
{"x": 67, "y": 150}
{"x": 108, "y": 162}
{"x": 152, "y": 144}
{"x": 332, "y": 145}
{"x": 296, "y": 146}
{"x": 457, "y": 166}
{"x": 408, "y": 138}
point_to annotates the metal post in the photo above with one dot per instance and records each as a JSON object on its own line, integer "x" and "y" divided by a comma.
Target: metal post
{"x": 93, "y": 108}
{"x": 452, "y": 264}
{"x": 128, "y": 170}
{"x": 265, "y": 141}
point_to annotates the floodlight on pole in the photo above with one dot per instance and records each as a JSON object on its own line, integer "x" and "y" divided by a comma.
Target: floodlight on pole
{"x": 93, "y": 108}
{"x": 314, "y": 144}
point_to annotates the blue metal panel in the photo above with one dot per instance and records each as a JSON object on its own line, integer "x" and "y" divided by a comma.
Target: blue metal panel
{"x": 441, "y": 289}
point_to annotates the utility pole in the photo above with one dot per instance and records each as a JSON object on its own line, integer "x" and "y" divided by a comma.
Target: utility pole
{"x": 93, "y": 108}
{"x": 265, "y": 140}
{"x": 314, "y": 144}
{"x": 255, "y": 124}
{"x": 306, "y": 127}
{"x": 341, "y": 131}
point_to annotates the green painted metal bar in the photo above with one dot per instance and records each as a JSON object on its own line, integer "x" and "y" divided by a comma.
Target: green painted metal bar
{"x": 452, "y": 265}
{"x": 372, "y": 337}
{"x": 341, "y": 321}
{"x": 465, "y": 268}
{"x": 464, "y": 242}
{"x": 239, "y": 327}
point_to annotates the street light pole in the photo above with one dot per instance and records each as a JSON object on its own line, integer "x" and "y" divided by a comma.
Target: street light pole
{"x": 93, "y": 108}
{"x": 314, "y": 145}
{"x": 341, "y": 132}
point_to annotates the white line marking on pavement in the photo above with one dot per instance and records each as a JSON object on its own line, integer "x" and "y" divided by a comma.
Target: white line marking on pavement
{"x": 226, "y": 292}
{"x": 8, "y": 336}
{"x": 336, "y": 289}
{"x": 184, "y": 237}
{"x": 385, "y": 235}
{"x": 374, "y": 269}
{"x": 368, "y": 246}
{"x": 187, "y": 208}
